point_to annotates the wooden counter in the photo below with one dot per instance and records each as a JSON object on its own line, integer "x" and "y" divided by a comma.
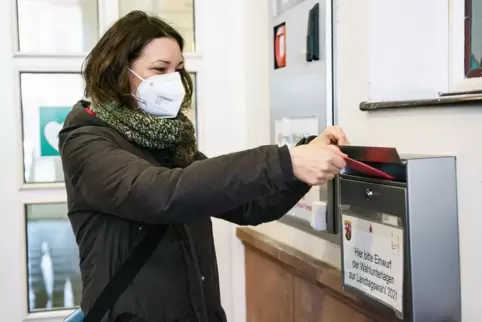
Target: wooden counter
{"x": 286, "y": 285}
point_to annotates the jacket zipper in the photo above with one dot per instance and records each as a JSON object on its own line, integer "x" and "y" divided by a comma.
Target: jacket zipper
{"x": 197, "y": 270}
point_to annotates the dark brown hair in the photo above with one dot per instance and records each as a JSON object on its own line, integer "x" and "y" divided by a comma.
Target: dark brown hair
{"x": 104, "y": 70}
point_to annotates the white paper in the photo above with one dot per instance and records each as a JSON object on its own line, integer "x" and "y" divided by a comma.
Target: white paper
{"x": 289, "y": 131}
{"x": 373, "y": 260}
{"x": 400, "y": 69}
{"x": 303, "y": 208}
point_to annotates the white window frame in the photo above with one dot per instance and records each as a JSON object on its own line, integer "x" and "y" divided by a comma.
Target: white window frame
{"x": 44, "y": 66}
{"x": 47, "y": 193}
{"x": 458, "y": 82}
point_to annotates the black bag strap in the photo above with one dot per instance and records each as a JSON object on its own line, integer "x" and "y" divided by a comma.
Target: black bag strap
{"x": 126, "y": 274}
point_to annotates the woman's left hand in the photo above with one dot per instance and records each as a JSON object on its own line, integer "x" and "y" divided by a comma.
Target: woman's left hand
{"x": 331, "y": 135}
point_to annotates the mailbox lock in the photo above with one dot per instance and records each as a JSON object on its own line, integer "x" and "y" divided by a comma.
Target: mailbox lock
{"x": 368, "y": 194}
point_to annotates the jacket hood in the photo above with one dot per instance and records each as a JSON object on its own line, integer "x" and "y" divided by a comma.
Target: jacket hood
{"x": 78, "y": 118}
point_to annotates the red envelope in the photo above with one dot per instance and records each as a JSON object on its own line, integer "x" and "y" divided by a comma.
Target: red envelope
{"x": 366, "y": 169}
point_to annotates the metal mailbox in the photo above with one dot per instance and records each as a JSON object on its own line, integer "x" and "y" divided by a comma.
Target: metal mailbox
{"x": 400, "y": 243}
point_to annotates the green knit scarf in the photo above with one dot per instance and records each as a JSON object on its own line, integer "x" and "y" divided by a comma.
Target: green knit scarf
{"x": 154, "y": 133}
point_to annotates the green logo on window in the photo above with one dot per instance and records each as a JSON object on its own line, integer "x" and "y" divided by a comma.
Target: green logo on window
{"x": 51, "y": 122}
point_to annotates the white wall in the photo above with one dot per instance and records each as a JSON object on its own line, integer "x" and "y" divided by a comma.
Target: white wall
{"x": 234, "y": 113}
{"x": 450, "y": 130}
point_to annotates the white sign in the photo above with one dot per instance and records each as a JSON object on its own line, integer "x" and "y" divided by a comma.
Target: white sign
{"x": 303, "y": 209}
{"x": 289, "y": 131}
{"x": 373, "y": 260}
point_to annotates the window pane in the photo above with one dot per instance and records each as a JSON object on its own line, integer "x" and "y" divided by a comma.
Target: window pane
{"x": 473, "y": 38}
{"x": 53, "y": 259}
{"x": 43, "y": 116}
{"x": 178, "y": 13}
{"x": 57, "y": 26}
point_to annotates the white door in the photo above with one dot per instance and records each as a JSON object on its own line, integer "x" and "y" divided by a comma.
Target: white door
{"x": 43, "y": 46}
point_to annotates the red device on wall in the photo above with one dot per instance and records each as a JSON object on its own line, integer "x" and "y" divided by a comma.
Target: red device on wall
{"x": 280, "y": 46}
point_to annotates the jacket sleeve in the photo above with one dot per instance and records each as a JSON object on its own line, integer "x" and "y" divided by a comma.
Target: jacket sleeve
{"x": 116, "y": 182}
{"x": 269, "y": 208}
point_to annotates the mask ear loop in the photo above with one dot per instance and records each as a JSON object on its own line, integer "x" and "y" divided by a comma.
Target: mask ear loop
{"x": 135, "y": 74}
{"x": 142, "y": 79}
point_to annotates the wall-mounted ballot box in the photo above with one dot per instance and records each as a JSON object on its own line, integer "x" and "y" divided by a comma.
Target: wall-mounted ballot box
{"x": 400, "y": 245}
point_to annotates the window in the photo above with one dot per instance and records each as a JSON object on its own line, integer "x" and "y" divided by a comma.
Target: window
{"x": 52, "y": 257}
{"x": 42, "y": 118}
{"x": 57, "y": 26}
{"x": 473, "y": 38}
{"x": 465, "y": 46}
{"x": 178, "y": 13}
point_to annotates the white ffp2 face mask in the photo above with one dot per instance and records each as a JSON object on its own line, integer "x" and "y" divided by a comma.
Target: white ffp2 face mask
{"x": 161, "y": 95}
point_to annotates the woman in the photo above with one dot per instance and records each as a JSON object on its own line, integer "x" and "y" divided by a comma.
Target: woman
{"x": 131, "y": 163}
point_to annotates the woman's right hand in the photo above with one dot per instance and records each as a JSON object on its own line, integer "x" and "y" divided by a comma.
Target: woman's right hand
{"x": 315, "y": 164}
